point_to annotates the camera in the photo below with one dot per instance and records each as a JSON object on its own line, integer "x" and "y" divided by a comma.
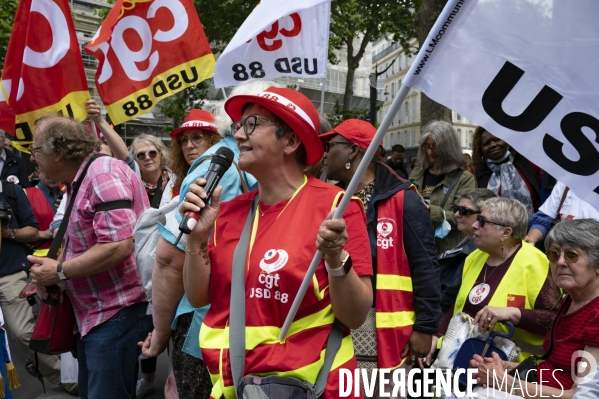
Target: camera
{"x": 4, "y": 215}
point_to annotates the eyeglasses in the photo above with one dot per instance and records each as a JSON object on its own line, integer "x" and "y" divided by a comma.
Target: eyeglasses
{"x": 464, "y": 211}
{"x": 427, "y": 148}
{"x": 32, "y": 150}
{"x": 142, "y": 155}
{"x": 329, "y": 144}
{"x": 481, "y": 222}
{"x": 196, "y": 139}
{"x": 569, "y": 255}
{"x": 249, "y": 124}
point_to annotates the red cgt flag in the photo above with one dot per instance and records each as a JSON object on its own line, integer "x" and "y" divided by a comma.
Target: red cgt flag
{"x": 148, "y": 50}
{"x": 43, "y": 72}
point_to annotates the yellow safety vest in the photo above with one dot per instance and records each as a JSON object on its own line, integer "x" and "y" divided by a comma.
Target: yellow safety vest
{"x": 524, "y": 278}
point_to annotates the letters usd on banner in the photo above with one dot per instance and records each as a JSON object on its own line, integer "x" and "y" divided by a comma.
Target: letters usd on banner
{"x": 279, "y": 38}
{"x": 527, "y": 74}
{"x": 148, "y": 50}
{"x": 43, "y": 72}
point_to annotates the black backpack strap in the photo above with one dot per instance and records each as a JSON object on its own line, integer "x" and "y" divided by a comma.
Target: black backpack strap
{"x": 157, "y": 194}
{"x": 57, "y": 242}
{"x": 116, "y": 204}
{"x": 453, "y": 183}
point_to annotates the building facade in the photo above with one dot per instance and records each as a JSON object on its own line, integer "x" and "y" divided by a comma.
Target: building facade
{"x": 405, "y": 127}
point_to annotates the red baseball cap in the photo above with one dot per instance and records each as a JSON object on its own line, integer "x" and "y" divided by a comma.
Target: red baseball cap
{"x": 353, "y": 130}
{"x": 293, "y": 108}
{"x": 197, "y": 119}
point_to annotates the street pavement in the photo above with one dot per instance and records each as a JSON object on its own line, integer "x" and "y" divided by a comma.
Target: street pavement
{"x": 31, "y": 388}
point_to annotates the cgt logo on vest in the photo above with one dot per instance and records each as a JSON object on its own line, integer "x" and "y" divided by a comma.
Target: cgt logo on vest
{"x": 386, "y": 229}
{"x": 274, "y": 260}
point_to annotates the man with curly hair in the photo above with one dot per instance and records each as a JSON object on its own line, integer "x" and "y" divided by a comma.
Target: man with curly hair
{"x": 97, "y": 265}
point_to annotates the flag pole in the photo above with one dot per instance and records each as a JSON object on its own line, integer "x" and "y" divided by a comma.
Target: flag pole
{"x": 322, "y": 96}
{"x": 351, "y": 188}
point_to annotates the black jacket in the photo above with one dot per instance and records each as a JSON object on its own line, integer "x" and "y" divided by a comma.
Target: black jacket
{"x": 418, "y": 243}
{"x": 451, "y": 264}
{"x": 15, "y": 166}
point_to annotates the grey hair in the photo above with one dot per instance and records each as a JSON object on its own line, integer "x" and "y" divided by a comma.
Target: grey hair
{"x": 449, "y": 151}
{"x": 2, "y": 134}
{"x": 509, "y": 213}
{"x": 156, "y": 142}
{"x": 478, "y": 196}
{"x": 222, "y": 120}
{"x": 576, "y": 233}
{"x": 325, "y": 125}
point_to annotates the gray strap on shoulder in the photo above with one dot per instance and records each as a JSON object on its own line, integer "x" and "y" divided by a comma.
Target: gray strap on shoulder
{"x": 237, "y": 315}
{"x": 237, "y": 307}
{"x": 333, "y": 345}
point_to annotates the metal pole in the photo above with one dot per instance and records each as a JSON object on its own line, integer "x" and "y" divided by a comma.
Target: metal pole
{"x": 351, "y": 188}
{"x": 373, "y": 96}
{"x": 322, "y": 96}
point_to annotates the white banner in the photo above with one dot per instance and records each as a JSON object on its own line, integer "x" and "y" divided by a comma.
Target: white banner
{"x": 279, "y": 38}
{"x": 528, "y": 74}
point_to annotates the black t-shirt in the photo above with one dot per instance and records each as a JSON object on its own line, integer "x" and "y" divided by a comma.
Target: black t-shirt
{"x": 429, "y": 183}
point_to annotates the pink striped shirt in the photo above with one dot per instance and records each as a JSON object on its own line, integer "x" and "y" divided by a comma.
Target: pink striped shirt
{"x": 98, "y": 297}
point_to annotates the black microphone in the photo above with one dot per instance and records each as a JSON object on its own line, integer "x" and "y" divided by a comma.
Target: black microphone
{"x": 221, "y": 162}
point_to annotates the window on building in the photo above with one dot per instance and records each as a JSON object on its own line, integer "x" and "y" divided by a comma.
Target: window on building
{"x": 461, "y": 137}
{"x": 413, "y": 119}
{"x": 458, "y": 117}
{"x": 413, "y": 137}
{"x": 407, "y": 104}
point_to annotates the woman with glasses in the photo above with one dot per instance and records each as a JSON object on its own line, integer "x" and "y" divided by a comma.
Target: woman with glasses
{"x": 574, "y": 261}
{"x": 451, "y": 262}
{"x": 506, "y": 279}
{"x": 151, "y": 156}
{"x": 403, "y": 249}
{"x": 189, "y": 142}
{"x": 440, "y": 179}
{"x": 276, "y": 133}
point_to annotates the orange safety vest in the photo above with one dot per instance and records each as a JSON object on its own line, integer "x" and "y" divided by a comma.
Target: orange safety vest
{"x": 395, "y": 315}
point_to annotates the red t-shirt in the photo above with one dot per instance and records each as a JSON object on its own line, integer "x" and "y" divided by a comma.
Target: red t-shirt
{"x": 572, "y": 332}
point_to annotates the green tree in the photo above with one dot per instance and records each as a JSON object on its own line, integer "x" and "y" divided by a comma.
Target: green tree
{"x": 8, "y": 9}
{"x": 355, "y": 23}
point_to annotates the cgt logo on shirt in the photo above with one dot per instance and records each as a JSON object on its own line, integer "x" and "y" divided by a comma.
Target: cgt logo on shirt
{"x": 274, "y": 259}
{"x": 386, "y": 229}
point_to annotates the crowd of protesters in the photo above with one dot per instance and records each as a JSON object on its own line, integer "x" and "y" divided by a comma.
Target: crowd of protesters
{"x": 450, "y": 233}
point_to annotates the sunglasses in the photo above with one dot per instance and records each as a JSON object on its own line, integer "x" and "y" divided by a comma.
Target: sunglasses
{"x": 250, "y": 123}
{"x": 330, "y": 144}
{"x": 569, "y": 256}
{"x": 142, "y": 155}
{"x": 481, "y": 222}
{"x": 196, "y": 139}
{"x": 463, "y": 210}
